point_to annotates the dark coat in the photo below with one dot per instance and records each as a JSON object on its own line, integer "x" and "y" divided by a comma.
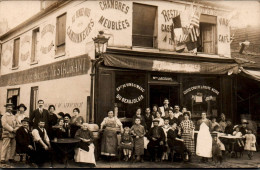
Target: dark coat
{"x": 23, "y": 140}
{"x": 37, "y": 116}
{"x": 160, "y": 136}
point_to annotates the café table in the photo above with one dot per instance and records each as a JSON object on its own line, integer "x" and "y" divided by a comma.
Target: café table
{"x": 227, "y": 139}
{"x": 66, "y": 145}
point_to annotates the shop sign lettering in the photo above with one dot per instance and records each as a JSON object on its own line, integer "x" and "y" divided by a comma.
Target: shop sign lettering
{"x": 200, "y": 87}
{"x": 65, "y": 105}
{"x": 112, "y": 4}
{"x": 162, "y": 78}
{"x": 78, "y": 22}
{"x": 46, "y": 47}
{"x": 223, "y": 38}
{"x": 114, "y": 25}
{"x": 126, "y": 100}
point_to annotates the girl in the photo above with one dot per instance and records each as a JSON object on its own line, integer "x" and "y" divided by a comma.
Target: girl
{"x": 138, "y": 131}
{"x": 138, "y": 114}
{"x": 166, "y": 149}
{"x": 126, "y": 143}
{"x": 158, "y": 116}
{"x": 250, "y": 143}
{"x": 76, "y": 121}
{"x": 239, "y": 145}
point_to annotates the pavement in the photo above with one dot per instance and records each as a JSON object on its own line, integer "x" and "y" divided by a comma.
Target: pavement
{"x": 228, "y": 162}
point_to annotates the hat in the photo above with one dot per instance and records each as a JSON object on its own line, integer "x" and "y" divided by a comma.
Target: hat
{"x": 61, "y": 114}
{"x": 67, "y": 115}
{"x": 22, "y": 105}
{"x": 156, "y": 120}
{"x": 166, "y": 118}
{"x": 236, "y": 126}
{"x": 244, "y": 121}
{"x": 9, "y": 104}
{"x": 26, "y": 119}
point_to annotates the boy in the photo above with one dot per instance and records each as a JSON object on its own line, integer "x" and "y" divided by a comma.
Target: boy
{"x": 166, "y": 149}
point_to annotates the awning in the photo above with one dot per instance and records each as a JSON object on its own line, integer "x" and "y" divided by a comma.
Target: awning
{"x": 169, "y": 65}
{"x": 251, "y": 74}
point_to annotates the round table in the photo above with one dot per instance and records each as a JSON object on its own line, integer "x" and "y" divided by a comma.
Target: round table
{"x": 226, "y": 139}
{"x": 66, "y": 145}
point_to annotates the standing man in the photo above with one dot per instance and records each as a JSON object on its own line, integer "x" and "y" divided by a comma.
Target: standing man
{"x": 165, "y": 108}
{"x": 9, "y": 130}
{"x": 39, "y": 114}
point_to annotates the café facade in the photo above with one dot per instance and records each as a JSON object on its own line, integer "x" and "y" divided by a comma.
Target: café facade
{"x": 49, "y": 57}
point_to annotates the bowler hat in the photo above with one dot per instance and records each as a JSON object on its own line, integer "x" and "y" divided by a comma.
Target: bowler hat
{"x": 26, "y": 119}
{"x": 67, "y": 115}
{"x": 9, "y": 104}
{"x": 22, "y": 105}
{"x": 156, "y": 120}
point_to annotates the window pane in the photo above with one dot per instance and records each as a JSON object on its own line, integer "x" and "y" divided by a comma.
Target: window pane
{"x": 61, "y": 23}
{"x": 35, "y": 45}
{"x": 16, "y": 52}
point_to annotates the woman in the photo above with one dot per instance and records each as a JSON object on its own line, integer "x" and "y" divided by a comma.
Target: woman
{"x": 20, "y": 114}
{"x": 222, "y": 123}
{"x": 52, "y": 121}
{"x": 158, "y": 117}
{"x": 58, "y": 129}
{"x": 188, "y": 127}
{"x": 109, "y": 140}
{"x": 204, "y": 139}
{"x": 75, "y": 122}
{"x": 155, "y": 109}
{"x": 138, "y": 114}
{"x": 85, "y": 152}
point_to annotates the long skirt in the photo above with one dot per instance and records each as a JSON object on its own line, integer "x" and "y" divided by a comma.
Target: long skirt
{"x": 139, "y": 146}
{"x": 109, "y": 143}
{"x": 85, "y": 156}
{"x": 204, "y": 142}
{"x": 189, "y": 142}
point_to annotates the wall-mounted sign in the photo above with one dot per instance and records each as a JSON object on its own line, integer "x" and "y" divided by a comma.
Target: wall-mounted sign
{"x": 200, "y": 87}
{"x": 127, "y": 100}
{"x": 6, "y": 54}
{"x": 25, "y": 47}
{"x": 117, "y": 6}
{"x": 81, "y": 25}
{"x": 61, "y": 69}
{"x": 47, "y": 38}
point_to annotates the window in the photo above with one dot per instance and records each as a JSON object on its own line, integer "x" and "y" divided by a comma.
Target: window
{"x": 35, "y": 45}
{"x": 16, "y": 53}
{"x": 34, "y": 98}
{"x": 13, "y": 96}
{"x": 208, "y": 40}
{"x": 60, "y": 34}
{"x": 144, "y": 25}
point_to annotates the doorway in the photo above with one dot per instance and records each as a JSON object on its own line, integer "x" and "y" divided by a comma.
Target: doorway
{"x": 159, "y": 92}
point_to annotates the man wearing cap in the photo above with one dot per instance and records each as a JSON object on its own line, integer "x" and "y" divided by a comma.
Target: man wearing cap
{"x": 156, "y": 137}
{"x": 24, "y": 142}
{"x": 9, "y": 129}
{"x": 39, "y": 114}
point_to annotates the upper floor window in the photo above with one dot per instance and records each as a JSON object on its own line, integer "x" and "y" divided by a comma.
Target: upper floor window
{"x": 16, "y": 53}
{"x": 208, "y": 39}
{"x": 35, "y": 45}
{"x": 144, "y": 25}
{"x": 60, "y": 34}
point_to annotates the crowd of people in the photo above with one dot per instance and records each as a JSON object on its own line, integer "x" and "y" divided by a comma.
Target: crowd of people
{"x": 160, "y": 134}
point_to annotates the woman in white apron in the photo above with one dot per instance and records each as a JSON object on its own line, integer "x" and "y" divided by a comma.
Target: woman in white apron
{"x": 204, "y": 139}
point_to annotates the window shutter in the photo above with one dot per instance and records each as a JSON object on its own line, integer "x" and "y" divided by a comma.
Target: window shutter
{"x": 16, "y": 52}
{"x": 61, "y": 29}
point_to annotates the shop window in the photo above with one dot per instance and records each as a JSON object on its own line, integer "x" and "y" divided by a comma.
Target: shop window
{"x": 13, "y": 96}
{"x": 35, "y": 45}
{"x": 34, "y": 98}
{"x": 60, "y": 34}
{"x": 16, "y": 53}
{"x": 144, "y": 25}
{"x": 208, "y": 38}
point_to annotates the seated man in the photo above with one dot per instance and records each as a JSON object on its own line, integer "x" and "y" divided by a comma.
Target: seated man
{"x": 156, "y": 137}
{"x": 24, "y": 142}
{"x": 42, "y": 144}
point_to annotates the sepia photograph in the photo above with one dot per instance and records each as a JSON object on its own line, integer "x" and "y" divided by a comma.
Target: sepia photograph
{"x": 129, "y": 84}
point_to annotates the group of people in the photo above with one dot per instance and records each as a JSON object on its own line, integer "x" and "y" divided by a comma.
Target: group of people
{"x": 160, "y": 133}
{"x": 31, "y": 135}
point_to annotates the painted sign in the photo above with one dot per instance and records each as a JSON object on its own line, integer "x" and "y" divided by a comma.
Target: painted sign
{"x": 47, "y": 38}
{"x": 61, "y": 69}
{"x": 200, "y": 87}
{"x": 126, "y": 100}
{"x": 81, "y": 25}
{"x": 6, "y": 54}
{"x": 25, "y": 47}
{"x": 117, "y": 6}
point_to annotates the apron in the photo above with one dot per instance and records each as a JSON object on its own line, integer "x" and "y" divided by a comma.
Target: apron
{"x": 85, "y": 156}
{"x": 204, "y": 142}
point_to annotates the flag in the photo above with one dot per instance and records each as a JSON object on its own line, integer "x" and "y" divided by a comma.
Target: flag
{"x": 176, "y": 23}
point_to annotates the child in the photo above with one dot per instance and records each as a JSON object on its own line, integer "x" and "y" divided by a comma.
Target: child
{"x": 126, "y": 143}
{"x": 166, "y": 149}
{"x": 250, "y": 143}
{"x": 214, "y": 123}
{"x": 216, "y": 151}
{"x": 239, "y": 145}
{"x": 138, "y": 131}
{"x": 158, "y": 117}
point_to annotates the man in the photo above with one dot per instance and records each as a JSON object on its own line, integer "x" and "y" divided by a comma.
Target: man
{"x": 229, "y": 128}
{"x": 222, "y": 123}
{"x": 156, "y": 137}
{"x": 9, "y": 129}
{"x": 165, "y": 108}
{"x": 39, "y": 114}
{"x": 66, "y": 125}
{"x": 42, "y": 144}
{"x": 148, "y": 118}
{"x": 24, "y": 142}
{"x": 177, "y": 112}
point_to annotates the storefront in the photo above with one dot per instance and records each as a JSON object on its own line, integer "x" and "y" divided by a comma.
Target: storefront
{"x": 141, "y": 79}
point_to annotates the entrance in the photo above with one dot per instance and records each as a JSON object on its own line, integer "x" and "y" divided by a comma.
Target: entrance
{"x": 159, "y": 92}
